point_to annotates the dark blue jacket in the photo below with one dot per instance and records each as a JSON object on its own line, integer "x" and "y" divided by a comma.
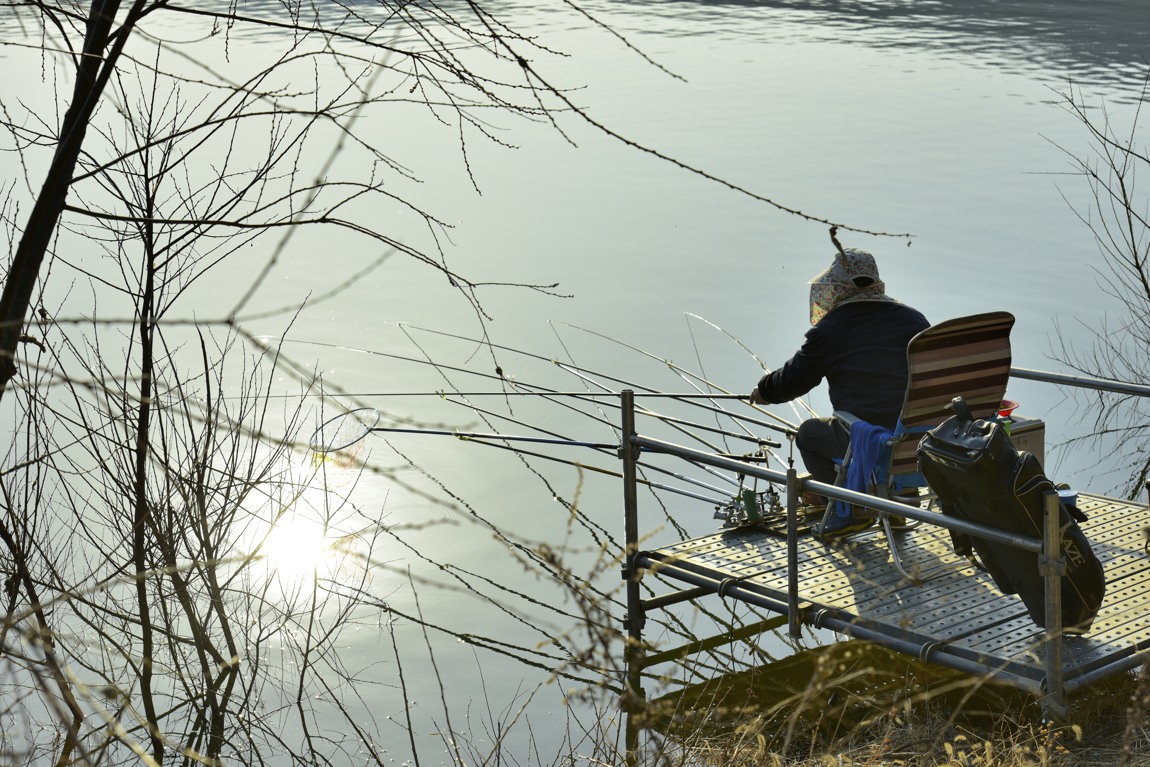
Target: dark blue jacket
{"x": 860, "y": 348}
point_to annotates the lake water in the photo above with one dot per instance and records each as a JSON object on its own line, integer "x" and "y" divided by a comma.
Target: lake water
{"x": 943, "y": 123}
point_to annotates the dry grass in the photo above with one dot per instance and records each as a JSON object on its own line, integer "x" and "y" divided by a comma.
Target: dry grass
{"x": 854, "y": 712}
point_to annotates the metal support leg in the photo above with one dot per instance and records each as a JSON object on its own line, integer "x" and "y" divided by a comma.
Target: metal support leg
{"x": 794, "y": 627}
{"x": 1052, "y": 565}
{"x": 632, "y": 702}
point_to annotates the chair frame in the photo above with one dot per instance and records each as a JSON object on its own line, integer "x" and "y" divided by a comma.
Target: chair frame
{"x": 966, "y": 356}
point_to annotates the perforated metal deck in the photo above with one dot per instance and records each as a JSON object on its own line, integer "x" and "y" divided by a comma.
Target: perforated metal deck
{"x": 956, "y": 618}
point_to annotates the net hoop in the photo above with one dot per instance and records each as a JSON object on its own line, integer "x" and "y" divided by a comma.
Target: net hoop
{"x": 344, "y": 430}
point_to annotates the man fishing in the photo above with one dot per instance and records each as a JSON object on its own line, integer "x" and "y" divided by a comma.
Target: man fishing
{"x": 857, "y": 342}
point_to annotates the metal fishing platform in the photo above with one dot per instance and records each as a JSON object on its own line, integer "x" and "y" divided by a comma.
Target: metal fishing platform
{"x": 956, "y": 618}
{"x": 904, "y": 590}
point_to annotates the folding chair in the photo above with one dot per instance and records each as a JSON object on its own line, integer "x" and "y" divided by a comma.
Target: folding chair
{"x": 967, "y": 357}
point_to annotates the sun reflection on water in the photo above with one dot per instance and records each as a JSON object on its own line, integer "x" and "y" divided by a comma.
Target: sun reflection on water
{"x": 298, "y": 547}
{"x": 311, "y": 537}
{"x": 301, "y": 546}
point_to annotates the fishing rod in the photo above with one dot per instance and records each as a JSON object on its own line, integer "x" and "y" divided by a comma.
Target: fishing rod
{"x": 762, "y": 443}
{"x": 646, "y": 411}
{"x": 688, "y": 398}
{"x": 799, "y": 401}
{"x": 346, "y": 429}
{"x": 682, "y": 477}
{"x": 579, "y": 516}
{"x": 714, "y": 448}
{"x": 619, "y": 475}
{"x": 786, "y": 428}
{"x": 579, "y": 372}
{"x": 519, "y": 452}
{"x": 685, "y": 375}
{"x": 707, "y": 469}
{"x": 540, "y": 391}
{"x": 408, "y": 328}
{"x": 659, "y": 469}
{"x": 702, "y": 368}
{"x": 543, "y": 392}
{"x": 737, "y": 342}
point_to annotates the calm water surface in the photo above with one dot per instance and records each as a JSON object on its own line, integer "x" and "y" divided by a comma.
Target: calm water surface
{"x": 941, "y": 120}
{"x": 938, "y": 122}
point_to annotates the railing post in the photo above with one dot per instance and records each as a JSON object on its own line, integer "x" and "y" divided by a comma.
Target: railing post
{"x": 633, "y": 621}
{"x": 1052, "y": 565}
{"x": 793, "y": 624}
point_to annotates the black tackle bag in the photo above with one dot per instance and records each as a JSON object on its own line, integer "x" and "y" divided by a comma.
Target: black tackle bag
{"x": 979, "y": 477}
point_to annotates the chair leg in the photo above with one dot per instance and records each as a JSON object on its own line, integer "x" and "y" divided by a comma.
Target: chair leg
{"x": 896, "y": 557}
{"x": 884, "y": 520}
{"x": 840, "y": 480}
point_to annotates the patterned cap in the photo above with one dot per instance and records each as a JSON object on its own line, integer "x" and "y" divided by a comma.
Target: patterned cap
{"x": 853, "y": 276}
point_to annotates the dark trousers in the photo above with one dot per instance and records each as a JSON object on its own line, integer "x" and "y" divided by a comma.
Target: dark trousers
{"x": 820, "y": 441}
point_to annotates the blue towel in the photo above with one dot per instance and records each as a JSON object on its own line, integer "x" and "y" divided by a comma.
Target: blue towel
{"x": 867, "y": 442}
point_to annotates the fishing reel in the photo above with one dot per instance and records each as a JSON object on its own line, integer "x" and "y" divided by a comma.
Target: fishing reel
{"x": 750, "y": 505}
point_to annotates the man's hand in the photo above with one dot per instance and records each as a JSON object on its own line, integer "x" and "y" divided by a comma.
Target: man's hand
{"x": 756, "y": 398}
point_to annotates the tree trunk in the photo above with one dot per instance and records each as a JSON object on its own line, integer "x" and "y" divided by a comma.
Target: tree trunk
{"x": 92, "y": 74}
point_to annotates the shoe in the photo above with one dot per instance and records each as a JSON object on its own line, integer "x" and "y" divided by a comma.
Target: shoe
{"x": 838, "y": 527}
{"x": 910, "y": 497}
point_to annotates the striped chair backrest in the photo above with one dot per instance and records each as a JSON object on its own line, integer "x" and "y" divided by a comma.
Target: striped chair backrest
{"x": 967, "y": 357}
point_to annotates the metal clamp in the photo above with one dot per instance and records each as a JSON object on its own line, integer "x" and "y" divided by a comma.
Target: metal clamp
{"x": 1057, "y": 567}
{"x": 927, "y": 650}
{"x": 727, "y": 583}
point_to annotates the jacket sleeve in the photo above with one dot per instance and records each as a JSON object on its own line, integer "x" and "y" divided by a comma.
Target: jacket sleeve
{"x": 798, "y": 375}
